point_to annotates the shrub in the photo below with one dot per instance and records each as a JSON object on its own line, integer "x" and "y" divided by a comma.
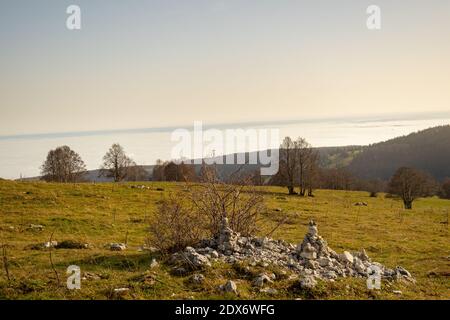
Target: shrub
{"x": 237, "y": 200}
{"x": 183, "y": 221}
{"x": 175, "y": 226}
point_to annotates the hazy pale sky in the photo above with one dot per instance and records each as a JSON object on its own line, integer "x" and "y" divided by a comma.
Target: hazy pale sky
{"x": 138, "y": 64}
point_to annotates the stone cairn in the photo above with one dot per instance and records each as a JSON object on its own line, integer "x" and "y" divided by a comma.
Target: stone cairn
{"x": 311, "y": 259}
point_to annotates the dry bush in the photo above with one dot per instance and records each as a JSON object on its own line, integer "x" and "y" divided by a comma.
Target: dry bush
{"x": 186, "y": 218}
{"x": 175, "y": 226}
{"x": 237, "y": 200}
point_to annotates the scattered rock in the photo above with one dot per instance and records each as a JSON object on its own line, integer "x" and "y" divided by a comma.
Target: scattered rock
{"x": 41, "y": 246}
{"x": 120, "y": 293}
{"x": 261, "y": 280}
{"x": 230, "y": 286}
{"x": 50, "y": 244}
{"x": 398, "y": 292}
{"x": 270, "y": 291}
{"x": 346, "y": 257}
{"x": 154, "y": 264}
{"x": 146, "y": 248}
{"x": 197, "y": 278}
{"x": 308, "y": 251}
{"x": 191, "y": 259}
{"x": 402, "y": 272}
{"x": 117, "y": 246}
{"x": 312, "y": 258}
{"x": 35, "y": 227}
{"x": 359, "y": 265}
{"x": 91, "y": 276}
{"x": 361, "y": 204}
{"x": 147, "y": 278}
{"x": 308, "y": 282}
{"x": 324, "y": 261}
{"x": 140, "y": 187}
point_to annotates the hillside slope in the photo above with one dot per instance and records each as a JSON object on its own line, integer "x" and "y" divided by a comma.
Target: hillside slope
{"x": 428, "y": 150}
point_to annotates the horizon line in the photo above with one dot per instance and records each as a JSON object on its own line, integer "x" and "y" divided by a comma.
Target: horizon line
{"x": 354, "y": 119}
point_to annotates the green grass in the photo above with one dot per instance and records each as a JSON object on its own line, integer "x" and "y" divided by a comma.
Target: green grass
{"x": 102, "y": 213}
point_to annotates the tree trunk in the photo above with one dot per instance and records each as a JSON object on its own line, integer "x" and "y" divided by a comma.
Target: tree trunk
{"x": 291, "y": 190}
{"x": 408, "y": 204}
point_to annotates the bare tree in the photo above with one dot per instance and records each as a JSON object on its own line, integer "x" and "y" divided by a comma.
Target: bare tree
{"x": 116, "y": 164}
{"x": 409, "y": 184}
{"x": 63, "y": 165}
{"x": 288, "y": 163}
{"x": 312, "y": 172}
{"x": 302, "y": 151}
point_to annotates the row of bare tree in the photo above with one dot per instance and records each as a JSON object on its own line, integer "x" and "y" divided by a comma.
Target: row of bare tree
{"x": 65, "y": 165}
{"x": 298, "y": 167}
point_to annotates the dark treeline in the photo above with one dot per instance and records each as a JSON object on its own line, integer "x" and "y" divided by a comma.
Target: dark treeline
{"x": 185, "y": 172}
{"x": 427, "y": 150}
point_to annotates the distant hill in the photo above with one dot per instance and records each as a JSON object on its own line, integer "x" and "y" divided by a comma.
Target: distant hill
{"x": 428, "y": 150}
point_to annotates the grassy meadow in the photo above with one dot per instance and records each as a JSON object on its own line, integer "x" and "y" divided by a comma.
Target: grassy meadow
{"x": 98, "y": 214}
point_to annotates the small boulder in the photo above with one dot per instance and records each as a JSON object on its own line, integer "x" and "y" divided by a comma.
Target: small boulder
{"x": 359, "y": 265}
{"x": 361, "y": 204}
{"x": 308, "y": 282}
{"x": 120, "y": 293}
{"x": 229, "y": 286}
{"x": 261, "y": 280}
{"x": 36, "y": 227}
{"x": 324, "y": 261}
{"x": 154, "y": 263}
{"x": 402, "y": 272}
{"x": 50, "y": 244}
{"x": 308, "y": 252}
{"x": 196, "y": 260}
{"x": 117, "y": 246}
{"x": 269, "y": 291}
{"x": 90, "y": 276}
{"x": 346, "y": 257}
{"x": 197, "y": 278}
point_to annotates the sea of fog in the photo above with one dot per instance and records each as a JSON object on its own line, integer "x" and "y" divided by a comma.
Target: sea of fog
{"x": 23, "y": 155}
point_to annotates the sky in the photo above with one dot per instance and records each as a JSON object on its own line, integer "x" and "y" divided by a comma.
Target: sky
{"x": 146, "y": 64}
